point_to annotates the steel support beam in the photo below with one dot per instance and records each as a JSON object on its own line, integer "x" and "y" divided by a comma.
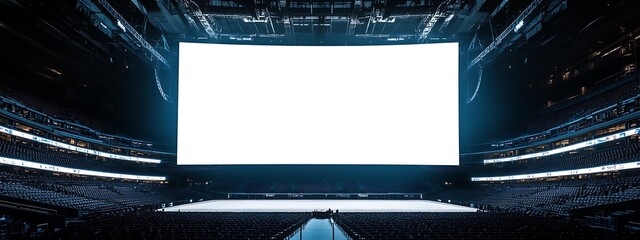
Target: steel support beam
{"x": 429, "y": 21}
{"x": 160, "y": 60}
{"x": 192, "y": 8}
{"x": 137, "y": 36}
{"x": 284, "y": 10}
{"x": 356, "y": 5}
{"x": 444, "y": 9}
{"x": 527, "y": 11}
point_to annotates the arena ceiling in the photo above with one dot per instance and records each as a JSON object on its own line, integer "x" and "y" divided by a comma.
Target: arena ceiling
{"x": 117, "y": 59}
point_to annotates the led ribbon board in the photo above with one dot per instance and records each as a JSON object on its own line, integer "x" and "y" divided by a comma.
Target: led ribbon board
{"x": 54, "y": 168}
{"x": 608, "y": 138}
{"x": 373, "y": 105}
{"x": 599, "y": 169}
{"x": 75, "y": 148}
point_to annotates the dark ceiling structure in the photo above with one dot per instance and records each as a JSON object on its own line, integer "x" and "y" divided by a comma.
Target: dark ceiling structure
{"x": 115, "y": 59}
{"x": 149, "y": 27}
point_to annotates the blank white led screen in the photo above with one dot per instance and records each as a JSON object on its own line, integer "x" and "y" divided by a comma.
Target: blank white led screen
{"x": 356, "y": 105}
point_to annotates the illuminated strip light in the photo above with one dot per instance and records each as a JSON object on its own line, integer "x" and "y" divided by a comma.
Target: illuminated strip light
{"x": 584, "y": 144}
{"x": 53, "y": 168}
{"x": 75, "y": 148}
{"x": 600, "y": 169}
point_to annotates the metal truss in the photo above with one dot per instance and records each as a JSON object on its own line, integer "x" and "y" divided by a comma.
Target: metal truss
{"x": 527, "y": 11}
{"x": 192, "y": 8}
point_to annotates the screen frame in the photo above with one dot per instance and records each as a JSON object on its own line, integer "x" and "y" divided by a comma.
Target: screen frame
{"x": 444, "y": 166}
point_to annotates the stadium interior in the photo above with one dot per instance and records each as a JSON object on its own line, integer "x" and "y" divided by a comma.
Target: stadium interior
{"x": 549, "y": 122}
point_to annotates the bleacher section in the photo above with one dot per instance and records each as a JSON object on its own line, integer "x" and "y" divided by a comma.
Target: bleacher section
{"x": 92, "y": 196}
{"x": 32, "y": 137}
{"x": 17, "y": 105}
{"x": 617, "y": 103}
{"x": 462, "y": 226}
{"x": 613, "y": 98}
{"x": 41, "y": 154}
{"x": 177, "y": 225}
{"x": 547, "y": 197}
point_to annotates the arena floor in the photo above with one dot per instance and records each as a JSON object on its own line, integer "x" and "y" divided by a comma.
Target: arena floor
{"x": 310, "y": 205}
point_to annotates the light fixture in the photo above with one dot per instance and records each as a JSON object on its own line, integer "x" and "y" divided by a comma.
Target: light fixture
{"x": 518, "y": 26}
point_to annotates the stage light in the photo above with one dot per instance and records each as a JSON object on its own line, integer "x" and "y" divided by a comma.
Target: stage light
{"x": 121, "y": 26}
{"x": 518, "y": 26}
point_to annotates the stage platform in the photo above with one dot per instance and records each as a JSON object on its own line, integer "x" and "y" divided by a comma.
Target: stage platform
{"x": 311, "y": 205}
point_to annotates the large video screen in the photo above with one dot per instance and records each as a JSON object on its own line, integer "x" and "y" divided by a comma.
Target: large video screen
{"x": 355, "y": 105}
